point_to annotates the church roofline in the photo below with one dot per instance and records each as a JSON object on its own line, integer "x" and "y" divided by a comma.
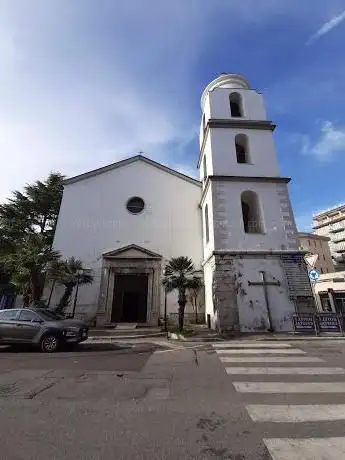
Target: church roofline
{"x": 127, "y": 161}
{"x": 119, "y": 251}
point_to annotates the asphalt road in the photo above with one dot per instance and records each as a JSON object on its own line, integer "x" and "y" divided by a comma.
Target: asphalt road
{"x": 184, "y": 403}
{"x": 95, "y": 357}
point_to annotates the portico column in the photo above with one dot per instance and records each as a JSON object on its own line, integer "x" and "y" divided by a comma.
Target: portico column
{"x": 100, "y": 315}
{"x": 156, "y": 290}
{"x": 110, "y": 295}
{"x": 150, "y": 296}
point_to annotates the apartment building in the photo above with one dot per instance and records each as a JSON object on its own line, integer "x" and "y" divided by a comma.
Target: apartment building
{"x": 329, "y": 292}
{"x": 317, "y": 244}
{"x": 331, "y": 223}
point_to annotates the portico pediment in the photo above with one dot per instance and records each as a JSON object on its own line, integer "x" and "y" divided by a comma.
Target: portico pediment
{"x": 132, "y": 251}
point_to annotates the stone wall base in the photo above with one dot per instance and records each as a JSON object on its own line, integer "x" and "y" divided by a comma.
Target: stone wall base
{"x": 241, "y": 303}
{"x": 225, "y": 304}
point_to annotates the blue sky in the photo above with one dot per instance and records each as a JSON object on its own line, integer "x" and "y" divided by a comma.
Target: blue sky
{"x": 85, "y": 83}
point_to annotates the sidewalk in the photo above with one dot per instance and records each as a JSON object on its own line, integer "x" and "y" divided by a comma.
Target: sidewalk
{"x": 267, "y": 337}
{"x": 117, "y": 337}
{"x": 284, "y": 336}
{"x": 202, "y": 336}
{"x": 293, "y": 336}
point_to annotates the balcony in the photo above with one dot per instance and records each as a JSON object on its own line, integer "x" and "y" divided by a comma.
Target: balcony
{"x": 338, "y": 238}
{"x": 317, "y": 225}
{"x": 340, "y": 248}
{"x": 335, "y": 228}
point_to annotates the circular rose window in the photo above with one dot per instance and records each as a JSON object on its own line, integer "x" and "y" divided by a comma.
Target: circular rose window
{"x": 135, "y": 205}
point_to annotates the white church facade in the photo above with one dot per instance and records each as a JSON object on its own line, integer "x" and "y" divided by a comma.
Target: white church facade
{"x": 126, "y": 220}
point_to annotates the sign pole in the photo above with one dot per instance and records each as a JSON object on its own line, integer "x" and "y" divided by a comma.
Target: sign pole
{"x": 313, "y": 277}
{"x": 315, "y": 326}
{"x": 340, "y": 325}
{"x": 314, "y": 294}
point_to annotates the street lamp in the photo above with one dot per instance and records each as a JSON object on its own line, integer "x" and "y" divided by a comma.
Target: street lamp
{"x": 51, "y": 291}
{"x": 199, "y": 275}
{"x": 165, "y": 310}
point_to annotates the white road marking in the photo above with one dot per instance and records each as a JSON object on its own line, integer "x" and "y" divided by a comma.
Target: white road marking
{"x": 270, "y": 359}
{"x": 306, "y": 449}
{"x": 292, "y": 351}
{"x": 289, "y": 387}
{"x": 285, "y": 370}
{"x": 293, "y": 414}
{"x": 178, "y": 348}
{"x": 251, "y": 345}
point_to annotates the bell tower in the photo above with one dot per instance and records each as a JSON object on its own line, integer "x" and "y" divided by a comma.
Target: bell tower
{"x": 249, "y": 227}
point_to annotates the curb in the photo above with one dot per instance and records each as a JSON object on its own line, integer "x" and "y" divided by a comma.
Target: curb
{"x": 124, "y": 337}
{"x": 117, "y": 346}
{"x": 175, "y": 336}
{"x": 301, "y": 338}
{"x": 181, "y": 338}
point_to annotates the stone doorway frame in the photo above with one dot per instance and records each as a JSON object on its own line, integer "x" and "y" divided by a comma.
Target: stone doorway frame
{"x": 130, "y": 260}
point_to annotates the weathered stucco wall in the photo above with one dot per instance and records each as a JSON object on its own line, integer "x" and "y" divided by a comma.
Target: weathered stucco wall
{"x": 235, "y": 305}
{"x": 94, "y": 220}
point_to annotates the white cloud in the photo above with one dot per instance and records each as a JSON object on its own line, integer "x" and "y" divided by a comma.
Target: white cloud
{"x": 77, "y": 100}
{"x": 327, "y": 27}
{"x": 82, "y": 83}
{"x": 330, "y": 142}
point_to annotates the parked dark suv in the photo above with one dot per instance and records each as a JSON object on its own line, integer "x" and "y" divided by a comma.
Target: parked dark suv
{"x": 40, "y": 327}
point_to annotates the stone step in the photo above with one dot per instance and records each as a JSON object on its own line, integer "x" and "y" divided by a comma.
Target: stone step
{"x": 119, "y": 332}
{"x": 123, "y": 336}
{"x": 126, "y": 327}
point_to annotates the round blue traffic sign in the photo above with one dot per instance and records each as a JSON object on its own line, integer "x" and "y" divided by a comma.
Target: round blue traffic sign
{"x": 314, "y": 275}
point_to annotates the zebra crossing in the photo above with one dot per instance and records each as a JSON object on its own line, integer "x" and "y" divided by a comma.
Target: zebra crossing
{"x": 274, "y": 370}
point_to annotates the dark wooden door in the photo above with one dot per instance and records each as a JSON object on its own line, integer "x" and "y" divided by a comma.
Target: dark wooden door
{"x": 130, "y": 299}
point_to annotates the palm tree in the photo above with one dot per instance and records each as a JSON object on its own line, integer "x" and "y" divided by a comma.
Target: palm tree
{"x": 179, "y": 275}
{"x": 70, "y": 273}
{"x": 54, "y": 274}
{"x": 28, "y": 264}
{"x": 194, "y": 290}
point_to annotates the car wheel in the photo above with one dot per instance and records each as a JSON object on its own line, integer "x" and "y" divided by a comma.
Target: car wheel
{"x": 49, "y": 343}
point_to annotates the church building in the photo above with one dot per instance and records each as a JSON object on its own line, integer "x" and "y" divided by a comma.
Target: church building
{"x": 126, "y": 220}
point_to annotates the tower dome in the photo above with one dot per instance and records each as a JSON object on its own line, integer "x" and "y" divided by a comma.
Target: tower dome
{"x": 225, "y": 80}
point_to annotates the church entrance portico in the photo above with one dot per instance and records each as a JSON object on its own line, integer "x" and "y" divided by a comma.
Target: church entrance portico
{"x": 130, "y": 298}
{"x": 130, "y": 287}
